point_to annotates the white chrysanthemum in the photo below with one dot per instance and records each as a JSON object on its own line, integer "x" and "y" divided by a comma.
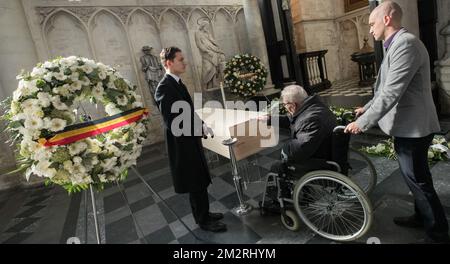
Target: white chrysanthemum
{"x": 48, "y": 76}
{"x": 33, "y": 122}
{"x": 102, "y": 178}
{"x": 122, "y": 100}
{"x": 94, "y": 160}
{"x": 77, "y": 147}
{"x": 37, "y": 71}
{"x": 62, "y": 90}
{"x": 42, "y": 154}
{"x": 75, "y": 76}
{"x": 111, "y": 109}
{"x": 77, "y": 160}
{"x": 76, "y": 85}
{"x": 430, "y": 154}
{"x": 44, "y": 99}
{"x": 102, "y": 75}
{"x": 68, "y": 166}
{"x": 57, "y": 124}
{"x": 43, "y": 169}
{"x": 85, "y": 81}
{"x": 29, "y": 103}
{"x": 48, "y": 64}
{"x": 97, "y": 91}
{"x": 86, "y": 68}
{"x": 109, "y": 164}
{"x": 60, "y": 76}
{"x": 56, "y": 101}
{"x": 25, "y": 88}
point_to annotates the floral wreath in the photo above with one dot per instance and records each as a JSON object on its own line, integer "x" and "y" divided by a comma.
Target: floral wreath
{"x": 245, "y": 75}
{"x": 41, "y": 118}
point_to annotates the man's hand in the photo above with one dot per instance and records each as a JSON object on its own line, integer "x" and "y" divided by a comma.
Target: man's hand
{"x": 352, "y": 128}
{"x": 207, "y": 131}
{"x": 359, "y": 111}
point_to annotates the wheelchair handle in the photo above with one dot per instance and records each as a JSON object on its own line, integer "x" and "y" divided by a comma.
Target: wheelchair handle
{"x": 339, "y": 129}
{"x": 348, "y": 114}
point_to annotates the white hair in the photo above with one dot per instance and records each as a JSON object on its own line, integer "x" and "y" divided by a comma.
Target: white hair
{"x": 294, "y": 94}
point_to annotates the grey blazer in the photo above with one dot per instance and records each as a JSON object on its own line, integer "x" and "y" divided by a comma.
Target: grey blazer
{"x": 403, "y": 105}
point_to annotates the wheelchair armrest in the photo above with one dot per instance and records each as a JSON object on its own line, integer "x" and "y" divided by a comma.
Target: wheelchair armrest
{"x": 338, "y": 168}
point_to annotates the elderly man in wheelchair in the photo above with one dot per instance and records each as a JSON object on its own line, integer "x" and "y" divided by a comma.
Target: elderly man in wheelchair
{"x": 310, "y": 182}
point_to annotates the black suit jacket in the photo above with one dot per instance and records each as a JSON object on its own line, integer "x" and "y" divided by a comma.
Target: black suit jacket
{"x": 184, "y": 147}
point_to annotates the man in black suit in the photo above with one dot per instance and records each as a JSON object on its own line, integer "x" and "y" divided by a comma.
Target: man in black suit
{"x": 187, "y": 161}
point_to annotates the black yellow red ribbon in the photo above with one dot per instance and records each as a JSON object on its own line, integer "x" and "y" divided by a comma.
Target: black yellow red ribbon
{"x": 81, "y": 131}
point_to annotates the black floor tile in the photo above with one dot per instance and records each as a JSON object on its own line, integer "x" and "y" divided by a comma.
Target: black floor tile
{"x": 162, "y": 236}
{"x": 160, "y": 183}
{"x": 230, "y": 201}
{"x": 38, "y": 200}
{"x": 168, "y": 215}
{"x": 129, "y": 183}
{"x": 113, "y": 201}
{"x": 17, "y": 238}
{"x": 22, "y": 224}
{"x": 141, "y": 204}
{"x": 179, "y": 204}
{"x": 153, "y": 166}
{"x": 122, "y": 231}
{"x": 31, "y": 211}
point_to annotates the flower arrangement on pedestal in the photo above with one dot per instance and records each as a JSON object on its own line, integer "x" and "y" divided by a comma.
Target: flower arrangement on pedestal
{"x": 41, "y": 117}
{"x": 245, "y": 75}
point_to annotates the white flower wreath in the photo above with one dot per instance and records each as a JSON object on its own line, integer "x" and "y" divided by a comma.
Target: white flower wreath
{"x": 45, "y": 103}
{"x": 245, "y": 75}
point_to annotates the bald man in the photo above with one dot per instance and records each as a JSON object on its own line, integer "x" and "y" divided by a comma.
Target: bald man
{"x": 403, "y": 107}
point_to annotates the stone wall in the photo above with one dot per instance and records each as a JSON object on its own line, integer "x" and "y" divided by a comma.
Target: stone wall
{"x": 323, "y": 25}
{"x": 113, "y": 32}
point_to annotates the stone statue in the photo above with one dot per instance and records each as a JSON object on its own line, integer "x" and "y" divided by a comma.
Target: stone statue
{"x": 152, "y": 68}
{"x": 213, "y": 57}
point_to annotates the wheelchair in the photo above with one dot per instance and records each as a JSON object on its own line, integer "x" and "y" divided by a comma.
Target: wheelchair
{"x": 322, "y": 194}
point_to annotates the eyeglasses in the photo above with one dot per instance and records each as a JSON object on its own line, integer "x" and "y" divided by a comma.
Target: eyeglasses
{"x": 286, "y": 104}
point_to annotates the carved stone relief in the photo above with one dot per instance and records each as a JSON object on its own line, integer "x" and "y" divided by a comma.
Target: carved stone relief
{"x": 225, "y": 37}
{"x": 144, "y": 32}
{"x": 111, "y": 45}
{"x": 66, "y": 36}
{"x": 174, "y": 33}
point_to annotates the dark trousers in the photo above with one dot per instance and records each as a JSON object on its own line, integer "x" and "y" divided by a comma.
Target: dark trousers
{"x": 413, "y": 160}
{"x": 200, "y": 206}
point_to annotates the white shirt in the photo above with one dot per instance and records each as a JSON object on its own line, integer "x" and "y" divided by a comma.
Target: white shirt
{"x": 177, "y": 78}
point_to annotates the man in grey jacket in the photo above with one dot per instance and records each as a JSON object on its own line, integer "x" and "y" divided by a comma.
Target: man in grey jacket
{"x": 403, "y": 108}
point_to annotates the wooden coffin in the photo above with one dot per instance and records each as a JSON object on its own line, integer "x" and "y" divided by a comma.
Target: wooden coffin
{"x": 252, "y": 135}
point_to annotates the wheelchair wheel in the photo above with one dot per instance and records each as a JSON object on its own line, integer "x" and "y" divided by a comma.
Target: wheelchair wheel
{"x": 332, "y": 205}
{"x": 361, "y": 171}
{"x": 291, "y": 220}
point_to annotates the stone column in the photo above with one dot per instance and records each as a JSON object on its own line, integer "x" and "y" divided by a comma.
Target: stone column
{"x": 255, "y": 32}
{"x": 443, "y": 73}
{"x": 17, "y": 52}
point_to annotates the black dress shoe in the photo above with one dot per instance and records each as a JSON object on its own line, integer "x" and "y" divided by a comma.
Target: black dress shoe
{"x": 213, "y": 226}
{"x": 409, "y": 221}
{"x": 215, "y": 216}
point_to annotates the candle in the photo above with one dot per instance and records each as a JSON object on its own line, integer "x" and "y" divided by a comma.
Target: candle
{"x": 223, "y": 95}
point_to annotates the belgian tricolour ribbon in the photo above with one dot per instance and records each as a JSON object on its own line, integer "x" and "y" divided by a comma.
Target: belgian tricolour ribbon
{"x": 84, "y": 130}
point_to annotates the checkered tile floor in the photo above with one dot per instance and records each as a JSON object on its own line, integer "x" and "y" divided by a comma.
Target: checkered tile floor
{"x": 346, "y": 93}
{"x": 131, "y": 213}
